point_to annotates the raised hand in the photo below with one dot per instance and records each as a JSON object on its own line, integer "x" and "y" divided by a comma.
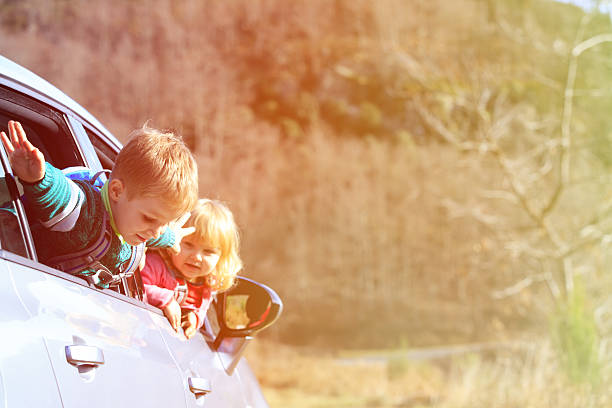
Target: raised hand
{"x": 173, "y": 312}
{"x": 180, "y": 232}
{"x": 27, "y": 162}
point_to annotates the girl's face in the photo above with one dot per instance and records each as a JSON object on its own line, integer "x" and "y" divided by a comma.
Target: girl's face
{"x": 196, "y": 259}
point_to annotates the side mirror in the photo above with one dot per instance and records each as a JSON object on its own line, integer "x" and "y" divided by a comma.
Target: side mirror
{"x": 246, "y": 309}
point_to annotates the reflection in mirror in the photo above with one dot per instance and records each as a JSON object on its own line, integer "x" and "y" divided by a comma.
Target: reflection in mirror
{"x": 246, "y": 311}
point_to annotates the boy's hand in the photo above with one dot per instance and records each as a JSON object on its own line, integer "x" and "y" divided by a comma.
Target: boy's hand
{"x": 189, "y": 324}
{"x": 180, "y": 232}
{"x": 27, "y": 161}
{"x": 173, "y": 312}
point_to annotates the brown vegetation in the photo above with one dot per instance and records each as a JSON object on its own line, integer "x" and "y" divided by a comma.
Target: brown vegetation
{"x": 527, "y": 376}
{"x": 350, "y": 139}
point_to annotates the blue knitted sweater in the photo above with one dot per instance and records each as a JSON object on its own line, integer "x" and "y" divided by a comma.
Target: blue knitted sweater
{"x": 70, "y": 215}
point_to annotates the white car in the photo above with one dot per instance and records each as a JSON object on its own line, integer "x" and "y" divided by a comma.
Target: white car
{"x": 68, "y": 344}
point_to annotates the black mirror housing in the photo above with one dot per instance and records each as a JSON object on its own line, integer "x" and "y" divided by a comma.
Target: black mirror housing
{"x": 245, "y": 309}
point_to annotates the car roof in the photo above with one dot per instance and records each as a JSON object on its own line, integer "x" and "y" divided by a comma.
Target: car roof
{"x": 28, "y": 79}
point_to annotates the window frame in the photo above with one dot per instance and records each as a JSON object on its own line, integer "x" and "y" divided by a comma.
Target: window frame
{"x": 77, "y": 125}
{"x": 27, "y": 102}
{"x": 84, "y": 152}
{"x": 22, "y": 219}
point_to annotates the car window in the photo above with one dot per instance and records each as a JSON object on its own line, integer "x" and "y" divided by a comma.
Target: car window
{"x": 45, "y": 127}
{"x": 106, "y": 154}
{"x": 11, "y": 235}
{"x": 48, "y": 131}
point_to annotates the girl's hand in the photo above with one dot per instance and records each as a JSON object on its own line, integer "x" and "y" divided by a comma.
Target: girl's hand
{"x": 189, "y": 324}
{"x": 173, "y": 312}
{"x": 27, "y": 161}
{"x": 180, "y": 232}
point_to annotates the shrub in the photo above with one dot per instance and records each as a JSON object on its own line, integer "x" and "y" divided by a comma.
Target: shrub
{"x": 577, "y": 339}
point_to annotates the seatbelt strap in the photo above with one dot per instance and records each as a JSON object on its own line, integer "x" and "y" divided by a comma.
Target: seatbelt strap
{"x": 77, "y": 261}
{"x": 180, "y": 292}
{"x": 132, "y": 264}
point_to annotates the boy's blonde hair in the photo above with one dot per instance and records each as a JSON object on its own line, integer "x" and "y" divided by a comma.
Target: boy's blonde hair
{"x": 158, "y": 164}
{"x": 215, "y": 226}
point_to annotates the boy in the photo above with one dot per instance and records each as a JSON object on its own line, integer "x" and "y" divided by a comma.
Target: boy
{"x": 153, "y": 182}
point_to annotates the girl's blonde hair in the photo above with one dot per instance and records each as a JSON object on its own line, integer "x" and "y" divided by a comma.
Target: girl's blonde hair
{"x": 214, "y": 225}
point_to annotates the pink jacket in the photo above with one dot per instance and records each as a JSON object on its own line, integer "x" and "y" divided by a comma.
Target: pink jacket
{"x": 161, "y": 286}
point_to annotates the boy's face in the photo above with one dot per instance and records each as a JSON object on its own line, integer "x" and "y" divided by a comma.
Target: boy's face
{"x": 140, "y": 218}
{"x": 196, "y": 258}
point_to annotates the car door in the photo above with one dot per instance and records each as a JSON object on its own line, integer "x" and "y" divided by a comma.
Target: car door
{"x": 200, "y": 363}
{"x": 24, "y": 362}
{"x": 105, "y": 351}
{"x": 214, "y": 355}
{"x": 103, "y": 347}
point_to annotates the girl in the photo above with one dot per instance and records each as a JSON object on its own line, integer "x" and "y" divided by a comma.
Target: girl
{"x": 183, "y": 284}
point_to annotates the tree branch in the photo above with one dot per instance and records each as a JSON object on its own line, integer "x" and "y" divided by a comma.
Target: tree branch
{"x": 520, "y": 285}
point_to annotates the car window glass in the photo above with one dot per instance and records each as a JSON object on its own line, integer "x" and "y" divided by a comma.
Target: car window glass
{"x": 45, "y": 127}
{"x": 47, "y": 130}
{"x": 106, "y": 154}
{"x": 11, "y": 238}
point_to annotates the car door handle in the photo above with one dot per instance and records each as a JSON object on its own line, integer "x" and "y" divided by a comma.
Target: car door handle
{"x": 84, "y": 355}
{"x": 199, "y": 386}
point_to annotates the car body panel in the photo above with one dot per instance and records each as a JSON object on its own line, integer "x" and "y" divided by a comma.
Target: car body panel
{"x": 195, "y": 359}
{"x": 137, "y": 368}
{"x": 26, "y": 375}
{"x": 253, "y": 394}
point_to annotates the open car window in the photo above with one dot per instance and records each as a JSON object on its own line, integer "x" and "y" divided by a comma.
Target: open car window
{"x": 45, "y": 127}
{"x": 12, "y": 236}
{"x": 106, "y": 153}
{"x": 48, "y": 131}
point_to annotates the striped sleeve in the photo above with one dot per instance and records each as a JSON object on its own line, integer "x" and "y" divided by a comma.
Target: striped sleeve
{"x": 55, "y": 200}
{"x": 165, "y": 240}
